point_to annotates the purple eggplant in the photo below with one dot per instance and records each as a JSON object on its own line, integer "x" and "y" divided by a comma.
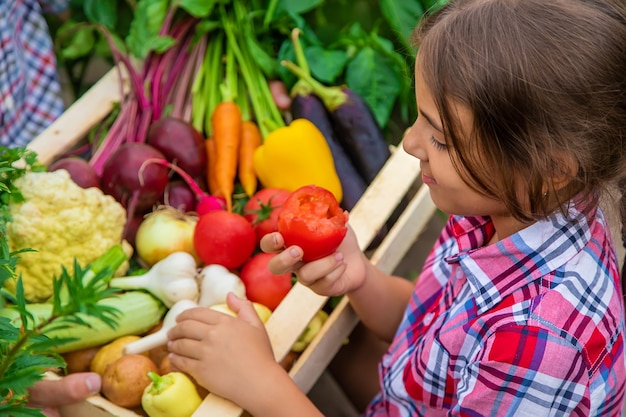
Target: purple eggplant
{"x": 309, "y": 106}
{"x": 353, "y": 122}
{"x": 360, "y": 134}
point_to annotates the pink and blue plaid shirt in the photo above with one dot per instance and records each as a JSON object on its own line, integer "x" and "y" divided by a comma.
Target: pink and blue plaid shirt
{"x": 30, "y": 96}
{"x": 530, "y": 326}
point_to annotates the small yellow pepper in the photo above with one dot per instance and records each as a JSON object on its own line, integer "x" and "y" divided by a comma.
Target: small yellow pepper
{"x": 170, "y": 395}
{"x": 297, "y": 155}
{"x": 312, "y": 329}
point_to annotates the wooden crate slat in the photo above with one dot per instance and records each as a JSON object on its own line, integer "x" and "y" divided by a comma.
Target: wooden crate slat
{"x": 86, "y": 112}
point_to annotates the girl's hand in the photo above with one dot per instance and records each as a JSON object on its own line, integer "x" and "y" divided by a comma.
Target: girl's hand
{"x": 220, "y": 351}
{"x": 336, "y": 274}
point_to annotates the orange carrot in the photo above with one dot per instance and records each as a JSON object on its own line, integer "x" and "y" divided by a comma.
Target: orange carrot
{"x": 250, "y": 140}
{"x": 226, "y": 122}
{"x": 210, "y": 175}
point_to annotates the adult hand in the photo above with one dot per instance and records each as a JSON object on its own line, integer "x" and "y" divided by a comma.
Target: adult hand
{"x": 73, "y": 388}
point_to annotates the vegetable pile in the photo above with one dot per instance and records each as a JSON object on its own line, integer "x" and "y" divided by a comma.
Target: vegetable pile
{"x": 175, "y": 189}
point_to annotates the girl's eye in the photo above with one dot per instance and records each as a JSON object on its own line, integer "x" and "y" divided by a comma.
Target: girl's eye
{"x": 438, "y": 145}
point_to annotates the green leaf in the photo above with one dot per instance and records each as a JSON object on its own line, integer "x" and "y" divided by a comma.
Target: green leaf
{"x": 261, "y": 57}
{"x": 198, "y": 8}
{"x": 326, "y": 65}
{"x": 8, "y": 410}
{"x": 402, "y": 16}
{"x": 144, "y": 30}
{"x": 373, "y": 76}
{"x": 432, "y": 5}
{"x": 101, "y": 11}
{"x": 299, "y": 7}
{"x": 81, "y": 43}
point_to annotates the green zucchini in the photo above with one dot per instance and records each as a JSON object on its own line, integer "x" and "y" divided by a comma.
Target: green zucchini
{"x": 140, "y": 312}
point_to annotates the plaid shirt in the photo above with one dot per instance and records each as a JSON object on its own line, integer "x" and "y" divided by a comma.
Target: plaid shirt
{"x": 530, "y": 326}
{"x": 29, "y": 86}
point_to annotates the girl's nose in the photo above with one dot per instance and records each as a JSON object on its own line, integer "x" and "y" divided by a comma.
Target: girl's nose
{"x": 413, "y": 145}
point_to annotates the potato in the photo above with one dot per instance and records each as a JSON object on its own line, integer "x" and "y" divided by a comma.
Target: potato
{"x": 80, "y": 360}
{"x": 110, "y": 352}
{"x": 124, "y": 380}
{"x": 165, "y": 366}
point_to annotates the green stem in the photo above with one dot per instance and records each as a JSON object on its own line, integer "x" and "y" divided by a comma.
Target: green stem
{"x": 112, "y": 259}
{"x": 262, "y": 102}
{"x": 333, "y": 97}
{"x": 22, "y": 340}
{"x": 301, "y": 87}
{"x": 228, "y": 87}
{"x": 213, "y": 77}
{"x": 299, "y": 51}
{"x": 269, "y": 14}
{"x": 198, "y": 101}
{"x": 243, "y": 102}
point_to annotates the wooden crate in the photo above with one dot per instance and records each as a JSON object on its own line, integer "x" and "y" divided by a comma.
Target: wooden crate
{"x": 392, "y": 193}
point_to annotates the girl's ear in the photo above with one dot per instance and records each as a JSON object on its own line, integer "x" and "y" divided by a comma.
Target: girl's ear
{"x": 563, "y": 171}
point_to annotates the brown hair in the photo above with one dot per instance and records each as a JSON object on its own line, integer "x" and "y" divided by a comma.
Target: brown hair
{"x": 545, "y": 82}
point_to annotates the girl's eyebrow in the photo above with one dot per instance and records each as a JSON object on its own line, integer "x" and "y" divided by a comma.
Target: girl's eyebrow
{"x": 430, "y": 121}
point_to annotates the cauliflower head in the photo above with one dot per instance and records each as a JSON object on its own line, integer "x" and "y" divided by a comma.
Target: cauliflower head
{"x": 60, "y": 221}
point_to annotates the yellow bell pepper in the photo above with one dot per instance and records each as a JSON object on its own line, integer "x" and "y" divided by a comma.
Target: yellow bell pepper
{"x": 297, "y": 155}
{"x": 170, "y": 395}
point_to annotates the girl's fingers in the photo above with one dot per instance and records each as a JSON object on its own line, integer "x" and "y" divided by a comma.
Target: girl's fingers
{"x": 244, "y": 310}
{"x": 288, "y": 260}
{"x": 197, "y": 326}
{"x": 272, "y": 243}
{"x": 188, "y": 348}
{"x": 184, "y": 363}
{"x": 200, "y": 314}
{"x": 327, "y": 269}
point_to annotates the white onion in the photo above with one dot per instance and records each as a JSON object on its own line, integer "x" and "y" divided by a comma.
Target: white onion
{"x": 164, "y": 231}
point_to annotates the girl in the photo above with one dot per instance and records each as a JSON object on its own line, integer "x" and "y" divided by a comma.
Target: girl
{"x": 518, "y": 310}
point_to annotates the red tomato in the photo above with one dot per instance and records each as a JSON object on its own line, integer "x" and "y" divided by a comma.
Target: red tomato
{"x": 224, "y": 238}
{"x": 263, "y": 208}
{"x": 262, "y": 286}
{"x": 312, "y": 219}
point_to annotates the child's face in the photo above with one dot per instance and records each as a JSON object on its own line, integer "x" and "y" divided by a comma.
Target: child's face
{"x": 426, "y": 141}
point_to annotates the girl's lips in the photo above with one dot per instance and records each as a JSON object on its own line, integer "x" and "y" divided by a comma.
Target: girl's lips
{"x": 428, "y": 180}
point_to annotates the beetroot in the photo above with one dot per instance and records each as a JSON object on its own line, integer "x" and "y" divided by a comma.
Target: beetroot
{"x": 130, "y": 229}
{"x": 181, "y": 144}
{"x": 80, "y": 171}
{"x": 179, "y": 195}
{"x": 136, "y": 185}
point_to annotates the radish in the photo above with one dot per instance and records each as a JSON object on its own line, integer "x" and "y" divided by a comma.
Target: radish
{"x": 136, "y": 186}
{"x": 205, "y": 202}
{"x": 181, "y": 144}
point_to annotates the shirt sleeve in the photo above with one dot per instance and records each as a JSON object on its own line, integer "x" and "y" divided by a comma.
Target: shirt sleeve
{"x": 525, "y": 370}
{"x": 54, "y": 6}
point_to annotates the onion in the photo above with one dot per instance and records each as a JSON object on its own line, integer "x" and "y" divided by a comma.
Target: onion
{"x": 164, "y": 231}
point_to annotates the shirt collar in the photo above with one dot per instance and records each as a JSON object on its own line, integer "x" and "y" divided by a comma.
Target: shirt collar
{"x": 497, "y": 270}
